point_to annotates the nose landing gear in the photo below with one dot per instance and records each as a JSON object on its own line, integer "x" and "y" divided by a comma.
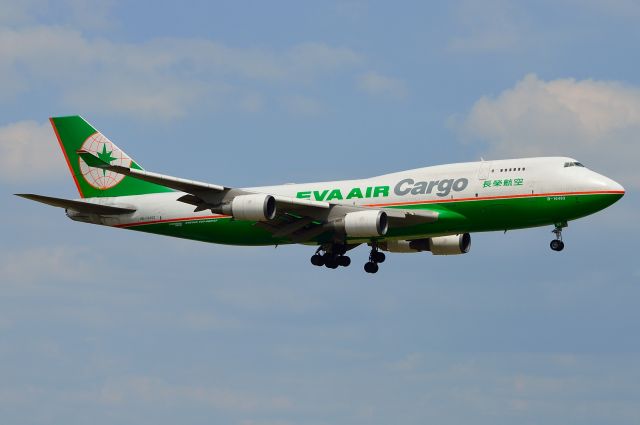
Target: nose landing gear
{"x": 557, "y": 244}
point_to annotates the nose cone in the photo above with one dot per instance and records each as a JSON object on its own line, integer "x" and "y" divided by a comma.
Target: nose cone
{"x": 614, "y": 186}
{"x": 599, "y": 183}
{"x": 608, "y": 187}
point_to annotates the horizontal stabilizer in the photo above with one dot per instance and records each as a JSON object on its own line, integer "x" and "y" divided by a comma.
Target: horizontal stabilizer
{"x": 79, "y": 206}
{"x": 176, "y": 183}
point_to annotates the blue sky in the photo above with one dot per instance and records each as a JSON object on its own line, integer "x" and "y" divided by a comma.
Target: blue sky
{"x": 110, "y": 326}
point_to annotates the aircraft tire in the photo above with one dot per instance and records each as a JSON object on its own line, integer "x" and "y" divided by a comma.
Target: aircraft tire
{"x": 331, "y": 262}
{"x": 378, "y": 257}
{"x": 371, "y": 267}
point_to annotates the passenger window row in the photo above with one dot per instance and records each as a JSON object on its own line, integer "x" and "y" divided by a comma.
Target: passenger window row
{"x": 506, "y": 170}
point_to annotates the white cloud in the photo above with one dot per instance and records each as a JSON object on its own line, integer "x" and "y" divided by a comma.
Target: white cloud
{"x": 153, "y": 97}
{"x": 90, "y": 14}
{"x": 16, "y": 12}
{"x": 21, "y": 268}
{"x": 301, "y": 105}
{"x": 160, "y": 77}
{"x": 490, "y": 41}
{"x": 488, "y": 26}
{"x": 597, "y": 122}
{"x": 29, "y": 151}
{"x": 409, "y": 363}
{"x": 251, "y": 102}
{"x": 267, "y": 298}
{"x": 619, "y": 8}
{"x": 5, "y": 324}
{"x": 312, "y": 58}
{"x": 120, "y": 392}
{"x": 265, "y": 422}
{"x": 205, "y": 321}
{"x": 137, "y": 389}
{"x": 381, "y": 85}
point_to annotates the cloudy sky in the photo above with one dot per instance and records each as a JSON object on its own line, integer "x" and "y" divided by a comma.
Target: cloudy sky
{"x": 105, "y": 326}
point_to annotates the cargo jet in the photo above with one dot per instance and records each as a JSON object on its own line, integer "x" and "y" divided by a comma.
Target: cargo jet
{"x": 426, "y": 209}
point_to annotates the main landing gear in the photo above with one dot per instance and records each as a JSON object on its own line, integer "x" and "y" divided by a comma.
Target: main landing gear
{"x": 375, "y": 257}
{"x": 557, "y": 244}
{"x": 331, "y": 257}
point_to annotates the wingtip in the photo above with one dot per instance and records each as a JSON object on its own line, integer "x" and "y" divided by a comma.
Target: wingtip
{"x": 28, "y": 196}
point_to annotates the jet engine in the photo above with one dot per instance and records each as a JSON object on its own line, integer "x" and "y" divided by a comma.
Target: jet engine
{"x": 450, "y": 245}
{"x": 439, "y": 245}
{"x": 255, "y": 207}
{"x": 363, "y": 224}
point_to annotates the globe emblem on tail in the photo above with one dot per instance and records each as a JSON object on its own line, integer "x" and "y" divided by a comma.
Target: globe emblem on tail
{"x": 103, "y": 148}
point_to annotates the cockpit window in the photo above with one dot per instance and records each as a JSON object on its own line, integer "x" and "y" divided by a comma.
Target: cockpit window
{"x": 573, "y": 164}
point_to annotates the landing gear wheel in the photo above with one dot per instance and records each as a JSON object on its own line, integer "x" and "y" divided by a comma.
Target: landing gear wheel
{"x": 371, "y": 267}
{"x": 331, "y": 262}
{"x": 378, "y": 257}
{"x": 557, "y": 245}
{"x": 332, "y": 255}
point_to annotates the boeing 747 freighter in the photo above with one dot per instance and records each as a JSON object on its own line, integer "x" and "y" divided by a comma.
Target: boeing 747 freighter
{"x": 431, "y": 209}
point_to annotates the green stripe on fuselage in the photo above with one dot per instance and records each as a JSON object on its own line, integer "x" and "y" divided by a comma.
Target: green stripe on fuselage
{"x": 455, "y": 217}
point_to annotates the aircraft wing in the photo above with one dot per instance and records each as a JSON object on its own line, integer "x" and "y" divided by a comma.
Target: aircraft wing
{"x": 202, "y": 195}
{"x": 298, "y": 219}
{"x": 302, "y": 228}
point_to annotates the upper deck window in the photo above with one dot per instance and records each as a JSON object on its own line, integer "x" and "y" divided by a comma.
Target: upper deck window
{"x": 573, "y": 164}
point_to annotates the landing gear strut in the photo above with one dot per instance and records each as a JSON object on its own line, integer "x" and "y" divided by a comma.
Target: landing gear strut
{"x": 557, "y": 244}
{"x": 375, "y": 257}
{"x": 331, "y": 256}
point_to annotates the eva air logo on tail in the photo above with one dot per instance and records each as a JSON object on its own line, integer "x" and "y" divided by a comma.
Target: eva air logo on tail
{"x": 103, "y": 148}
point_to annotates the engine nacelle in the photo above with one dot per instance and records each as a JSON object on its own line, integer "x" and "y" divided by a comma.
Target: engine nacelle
{"x": 365, "y": 223}
{"x": 255, "y": 207}
{"x": 450, "y": 245}
{"x": 439, "y": 245}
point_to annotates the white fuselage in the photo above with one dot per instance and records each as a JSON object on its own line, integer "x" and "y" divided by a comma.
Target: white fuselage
{"x": 436, "y": 184}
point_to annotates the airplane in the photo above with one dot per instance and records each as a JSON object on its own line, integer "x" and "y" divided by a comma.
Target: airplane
{"x": 431, "y": 209}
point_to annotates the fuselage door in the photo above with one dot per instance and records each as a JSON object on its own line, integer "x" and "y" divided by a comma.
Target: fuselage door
{"x": 483, "y": 171}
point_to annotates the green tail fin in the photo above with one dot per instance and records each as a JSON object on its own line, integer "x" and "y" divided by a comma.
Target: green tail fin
{"x": 75, "y": 134}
